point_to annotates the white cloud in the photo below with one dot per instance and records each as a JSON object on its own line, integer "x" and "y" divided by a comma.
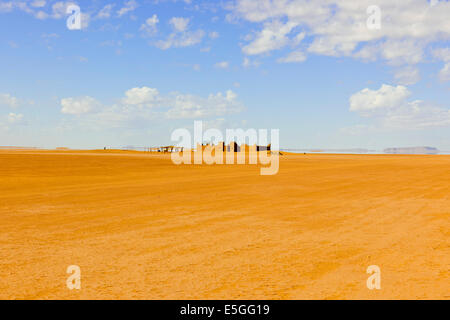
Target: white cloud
{"x": 111, "y": 43}
{"x": 181, "y": 37}
{"x": 59, "y": 9}
{"x": 141, "y": 96}
{"x": 272, "y": 37}
{"x": 338, "y": 28}
{"x": 386, "y": 97}
{"x": 444, "y": 74}
{"x": 13, "y": 44}
{"x": 8, "y": 100}
{"x": 41, "y": 15}
{"x": 247, "y": 63}
{"x": 79, "y": 105}
{"x": 180, "y": 105}
{"x": 143, "y": 104}
{"x": 295, "y": 56}
{"x": 214, "y": 35}
{"x": 38, "y": 3}
{"x": 178, "y": 40}
{"x": 298, "y": 38}
{"x": 399, "y": 52}
{"x": 407, "y": 76}
{"x": 222, "y": 65}
{"x": 128, "y": 7}
{"x": 150, "y": 25}
{"x": 444, "y": 55}
{"x": 15, "y": 118}
{"x": 21, "y": 5}
{"x": 105, "y": 12}
{"x": 190, "y": 106}
{"x": 179, "y": 24}
{"x": 85, "y": 20}
{"x": 391, "y": 109}
{"x": 6, "y": 6}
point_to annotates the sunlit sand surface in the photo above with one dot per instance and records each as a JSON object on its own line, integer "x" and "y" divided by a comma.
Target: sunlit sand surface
{"x": 140, "y": 227}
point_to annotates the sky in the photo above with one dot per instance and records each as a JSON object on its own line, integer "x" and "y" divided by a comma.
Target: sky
{"x": 327, "y": 74}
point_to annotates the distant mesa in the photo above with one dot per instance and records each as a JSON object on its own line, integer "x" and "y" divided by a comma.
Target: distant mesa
{"x": 412, "y": 150}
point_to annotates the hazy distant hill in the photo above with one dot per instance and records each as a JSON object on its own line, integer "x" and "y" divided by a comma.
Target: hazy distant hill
{"x": 412, "y": 150}
{"x": 15, "y": 147}
{"x": 352, "y": 150}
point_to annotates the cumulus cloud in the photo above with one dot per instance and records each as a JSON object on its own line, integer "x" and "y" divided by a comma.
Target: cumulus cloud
{"x": 150, "y": 25}
{"x": 399, "y": 52}
{"x": 189, "y": 106}
{"x": 179, "y": 105}
{"x": 339, "y": 28}
{"x": 213, "y": 35}
{"x": 179, "y": 40}
{"x": 142, "y": 104}
{"x": 41, "y": 15}
{"x": 222, "y": 65}
{"x": 8, "y": 100}
{"x": 372, "y": 100}
{"x": 390, "y": 107}
{"x": 38, "y": 3}
{"x": 182, "y": 36}
{"x": 6, "y": 6}
{"x": 247, "y": 63}
{"x": 106, "y": 11}
{"x": 79, "y": 105}
{"x": 179, "y": 24}
{"x": 129, "y": 6}
{"x": 444, "y": 55}
{"x": 35, "y": 8}
{"x": 15, "y": 118}
{"x": 141, "y": 96}
{"x": 407, "y": 76}
{"x": 272, "y": 37}
{"x": 59, "y": 9}
{"x": 295, "y": 56}
{"x": 444, "y": 74}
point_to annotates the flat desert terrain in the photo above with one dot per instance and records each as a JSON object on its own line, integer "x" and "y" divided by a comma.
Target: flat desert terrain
{"x": 140, "y": 227}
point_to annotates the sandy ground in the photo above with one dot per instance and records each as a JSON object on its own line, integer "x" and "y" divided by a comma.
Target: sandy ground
{"x": 140, "y": 227}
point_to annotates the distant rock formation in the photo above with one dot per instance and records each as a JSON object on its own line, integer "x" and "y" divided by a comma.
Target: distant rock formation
{"x": 412, "y": 150}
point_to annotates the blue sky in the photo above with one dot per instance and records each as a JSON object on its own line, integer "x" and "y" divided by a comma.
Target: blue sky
{"x": 323, "y": 72}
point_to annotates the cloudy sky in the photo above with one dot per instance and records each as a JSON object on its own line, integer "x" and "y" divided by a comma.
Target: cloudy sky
{"x": 329, "y": 74}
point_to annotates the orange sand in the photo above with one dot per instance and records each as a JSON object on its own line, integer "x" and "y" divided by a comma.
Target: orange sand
{"x": 142, "y": 228}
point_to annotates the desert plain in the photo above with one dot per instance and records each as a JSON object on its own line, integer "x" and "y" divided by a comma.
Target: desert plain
{"x": 140, "y": 227}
